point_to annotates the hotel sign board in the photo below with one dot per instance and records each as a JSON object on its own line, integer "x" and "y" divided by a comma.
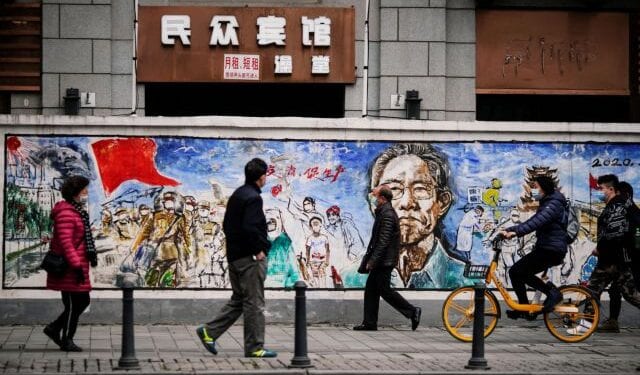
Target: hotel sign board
{"x": 253, "y": 44}
{"x": 552, "y": 52}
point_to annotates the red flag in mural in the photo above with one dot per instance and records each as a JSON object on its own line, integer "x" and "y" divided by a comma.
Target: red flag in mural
{"x": 123, "y": 159}
{"x": 593, "y": 182}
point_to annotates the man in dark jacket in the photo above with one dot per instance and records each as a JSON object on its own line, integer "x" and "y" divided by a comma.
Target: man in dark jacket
{"x": 613, "y": 229}
{"x": 245, "y": 228}
{"x": 379, "y": 261}
{"x": 625, "y": 191}
{"x": 550, "y": 225}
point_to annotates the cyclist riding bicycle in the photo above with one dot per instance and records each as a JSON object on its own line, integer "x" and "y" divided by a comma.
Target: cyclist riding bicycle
{"x": 549, "y": 223}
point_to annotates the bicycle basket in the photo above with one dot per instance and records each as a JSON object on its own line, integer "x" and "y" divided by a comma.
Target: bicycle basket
{"x": 475, "y": 271}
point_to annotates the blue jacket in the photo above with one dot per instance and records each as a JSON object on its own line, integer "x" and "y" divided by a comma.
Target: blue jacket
{"x": 549, "y": 223}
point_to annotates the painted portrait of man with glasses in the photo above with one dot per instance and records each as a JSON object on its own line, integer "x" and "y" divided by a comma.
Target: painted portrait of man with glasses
{"x": 418, "y": 175}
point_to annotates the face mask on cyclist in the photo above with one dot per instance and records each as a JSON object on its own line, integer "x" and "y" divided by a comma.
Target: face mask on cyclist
{"x": 536, "y": 195}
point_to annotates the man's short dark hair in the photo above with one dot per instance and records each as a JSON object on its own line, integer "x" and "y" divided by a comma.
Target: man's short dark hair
{"x": 385, "y": 193}
{"x": 625, "y": 189}
{"x": 546, "y": 184}
{"x": 610, "y": 180}
{"x": 72, "y": 186}
{"x": 310, "y": 200}
{"x": 254, "y": 169}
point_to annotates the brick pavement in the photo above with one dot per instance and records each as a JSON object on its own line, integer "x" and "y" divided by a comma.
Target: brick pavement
{"x": 172, "y": 349}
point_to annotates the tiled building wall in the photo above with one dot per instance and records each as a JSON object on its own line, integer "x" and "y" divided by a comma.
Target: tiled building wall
{"x": 424, "y": 45}
{"x": 87, "y": 44}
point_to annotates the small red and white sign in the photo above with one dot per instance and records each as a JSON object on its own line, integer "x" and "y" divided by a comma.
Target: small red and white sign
{"x": 242, "y": 67}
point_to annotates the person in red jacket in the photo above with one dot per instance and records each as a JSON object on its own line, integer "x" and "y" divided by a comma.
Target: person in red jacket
{"x": 71, "y": 238}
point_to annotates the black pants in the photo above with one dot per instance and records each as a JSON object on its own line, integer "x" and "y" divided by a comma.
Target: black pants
{"x": 524, "y": 272}
{"x": 379, "y": 285}
{"x": 74, "y": 305}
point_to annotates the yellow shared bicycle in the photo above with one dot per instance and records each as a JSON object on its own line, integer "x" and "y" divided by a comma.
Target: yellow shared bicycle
{"x": 572, "y": 320}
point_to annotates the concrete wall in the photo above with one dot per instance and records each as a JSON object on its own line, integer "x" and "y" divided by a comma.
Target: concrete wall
{"x": 428, "y": 46}
{"x": 85, "y": 45}
{"x": 424, "y": 45}
{"x": 189, "y": 306}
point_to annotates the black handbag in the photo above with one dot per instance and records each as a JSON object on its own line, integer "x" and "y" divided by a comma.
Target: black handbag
{"x": 54, "y": 264}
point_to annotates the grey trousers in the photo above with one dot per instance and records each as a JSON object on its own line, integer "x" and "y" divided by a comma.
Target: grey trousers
{"x": 247, "y": 282}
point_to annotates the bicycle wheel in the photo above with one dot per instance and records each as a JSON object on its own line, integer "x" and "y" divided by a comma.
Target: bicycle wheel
{"x": 458, "y": 309}
{"x": 576, "y": 317}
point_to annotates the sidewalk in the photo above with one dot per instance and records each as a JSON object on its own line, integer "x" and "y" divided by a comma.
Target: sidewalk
{"x": 172, "y": 349}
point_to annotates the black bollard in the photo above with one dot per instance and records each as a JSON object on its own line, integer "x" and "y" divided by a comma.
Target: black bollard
{"x": 477, "y": 361}
{"x": 300, "y": 358}
{"x": 128, "y": 360}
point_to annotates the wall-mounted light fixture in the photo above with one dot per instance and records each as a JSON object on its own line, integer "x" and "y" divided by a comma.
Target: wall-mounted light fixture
{"x": 72, "y": 102}
{"x": 412, "y": 104}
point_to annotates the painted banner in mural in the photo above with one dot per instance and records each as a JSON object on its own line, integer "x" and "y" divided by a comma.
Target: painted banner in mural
{"x": 157, "y": 204}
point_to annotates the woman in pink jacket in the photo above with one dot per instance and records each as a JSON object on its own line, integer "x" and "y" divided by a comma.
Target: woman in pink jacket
{"x": 71, "y": 238}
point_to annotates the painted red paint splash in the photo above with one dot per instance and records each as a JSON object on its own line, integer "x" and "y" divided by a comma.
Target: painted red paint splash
{"x": 13, "y": 144}
{"x": 125, "y": 159}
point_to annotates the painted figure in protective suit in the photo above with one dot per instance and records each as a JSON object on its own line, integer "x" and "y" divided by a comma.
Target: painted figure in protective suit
{"x": 126, "y": 228}
{"x": 106, "y": 223}
{"x": 165, "y": 235}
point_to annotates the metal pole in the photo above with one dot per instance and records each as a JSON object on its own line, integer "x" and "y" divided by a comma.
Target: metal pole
{"x": 128, "y": 360}
{"x": 477, "y": 361}
{"x": 300, "y": 359}
{"x": 134, "y": 61}
{"x": 365, "y": 64}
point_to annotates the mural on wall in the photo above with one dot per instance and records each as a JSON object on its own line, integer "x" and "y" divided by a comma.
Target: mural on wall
{"x": 157, "y": 204}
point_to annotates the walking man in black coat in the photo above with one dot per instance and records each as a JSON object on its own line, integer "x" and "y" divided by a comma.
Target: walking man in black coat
{"x": 380, "y": 260}
{"x": 245, "y": 229}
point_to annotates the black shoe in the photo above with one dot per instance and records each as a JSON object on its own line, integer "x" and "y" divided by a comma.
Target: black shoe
{"x": 415, "y": 319}
{"x": 69, "y": 346}
{"x": 53, "y": 334}
{"x": 554, "y": 298}
{"x": 512, "y": 314}
{"x": 365, "y": 327}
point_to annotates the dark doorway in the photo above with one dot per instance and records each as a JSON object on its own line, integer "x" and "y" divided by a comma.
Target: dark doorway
{"x": 560, "y": 108}
{"x": 244, "y": 99}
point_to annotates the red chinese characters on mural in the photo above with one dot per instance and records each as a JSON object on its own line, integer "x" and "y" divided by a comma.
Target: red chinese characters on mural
{"x": 313, "y": 172}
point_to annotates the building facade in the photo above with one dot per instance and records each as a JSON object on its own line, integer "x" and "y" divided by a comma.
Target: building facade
{"x": 430, "y": 46}
{"x": 503, "y": 92}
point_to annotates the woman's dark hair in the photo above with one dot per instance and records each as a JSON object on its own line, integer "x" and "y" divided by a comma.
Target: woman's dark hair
{"x": 72, "y": 186}
{"x": 546, "y": 184}
{"x": 625, "y": 189}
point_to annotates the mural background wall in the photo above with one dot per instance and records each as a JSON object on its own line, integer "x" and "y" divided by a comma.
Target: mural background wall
{"x": 153, "y": 192}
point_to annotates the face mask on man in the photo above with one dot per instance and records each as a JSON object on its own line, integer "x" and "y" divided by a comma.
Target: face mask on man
{"x": 600, "y": 196}
{"x": 373, "y": 200}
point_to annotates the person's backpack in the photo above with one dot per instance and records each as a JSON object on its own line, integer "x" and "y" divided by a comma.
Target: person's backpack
{"x": 573, "y": 221}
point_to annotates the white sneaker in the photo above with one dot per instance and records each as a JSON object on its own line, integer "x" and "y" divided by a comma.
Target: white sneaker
{"x": 582, "y": 327}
